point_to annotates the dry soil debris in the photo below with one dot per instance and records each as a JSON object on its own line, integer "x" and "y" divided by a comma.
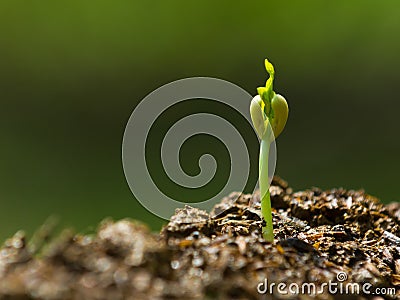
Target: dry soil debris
{"x": 221, "y": 255}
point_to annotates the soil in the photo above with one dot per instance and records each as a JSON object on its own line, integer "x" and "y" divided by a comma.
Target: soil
{"x": 338, "y": 236}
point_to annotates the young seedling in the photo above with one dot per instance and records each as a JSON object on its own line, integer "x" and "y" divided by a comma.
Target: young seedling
{"x": 269, "y": 112}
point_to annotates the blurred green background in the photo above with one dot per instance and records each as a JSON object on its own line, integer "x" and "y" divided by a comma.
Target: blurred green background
{"x": 71, "y": 72}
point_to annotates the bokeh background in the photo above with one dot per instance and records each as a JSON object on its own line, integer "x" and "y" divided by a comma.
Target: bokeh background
{"x": 71, "y": 72}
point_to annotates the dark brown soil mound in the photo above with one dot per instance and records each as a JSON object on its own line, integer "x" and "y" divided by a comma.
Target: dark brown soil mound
{"x": 337, "y": 237}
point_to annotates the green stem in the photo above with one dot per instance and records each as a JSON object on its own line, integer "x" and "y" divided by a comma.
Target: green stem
{"x": 267, "y": 230}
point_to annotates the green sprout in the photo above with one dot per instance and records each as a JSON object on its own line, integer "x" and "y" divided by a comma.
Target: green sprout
{"x": 269, "y": 112}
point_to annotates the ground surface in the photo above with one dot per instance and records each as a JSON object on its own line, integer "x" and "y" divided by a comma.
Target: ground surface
{"x": 338, "y": 236}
